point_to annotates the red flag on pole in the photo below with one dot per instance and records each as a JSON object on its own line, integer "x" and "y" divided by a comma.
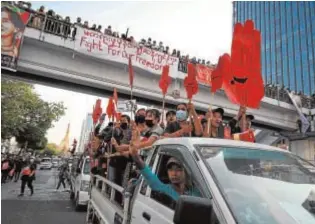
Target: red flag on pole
{"x": 244, "y": 85}
{"x": 97, "y": 111}
{"x": 115, "y": 95}
{"x": 190, "y": 81}
{"x": 165, "y": 80}
{"x": 131, "y": 74}
{"x": 110, "y": 110}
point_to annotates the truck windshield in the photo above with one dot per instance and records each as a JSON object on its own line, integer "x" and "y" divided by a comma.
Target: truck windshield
{"x": 263, "y": 186}
{"x": 86, "y": 168}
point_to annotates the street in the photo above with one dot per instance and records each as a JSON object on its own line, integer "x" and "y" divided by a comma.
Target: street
{"x": 45, "y": 206}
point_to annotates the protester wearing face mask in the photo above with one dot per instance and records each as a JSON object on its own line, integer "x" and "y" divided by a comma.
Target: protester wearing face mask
{"x": 181, "y": 127}
{"x": 153, "y": 131}
{"x": 214, "y": 127}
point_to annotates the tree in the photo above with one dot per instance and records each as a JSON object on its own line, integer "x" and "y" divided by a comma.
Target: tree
{"x": 25, "y": 115}
{"x": 51, "y": 149}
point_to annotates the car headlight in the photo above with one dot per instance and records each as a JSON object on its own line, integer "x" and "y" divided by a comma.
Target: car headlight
{"x": 85, "y": 185}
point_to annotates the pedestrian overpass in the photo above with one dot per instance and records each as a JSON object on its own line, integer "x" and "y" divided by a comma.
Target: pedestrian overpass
{"x": 53, "y": 60}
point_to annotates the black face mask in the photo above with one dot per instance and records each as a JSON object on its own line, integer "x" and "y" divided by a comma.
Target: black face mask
{"x": 124, "y": 126}
{"x": 140, "y": 119}
{"x": 149, "y": 123}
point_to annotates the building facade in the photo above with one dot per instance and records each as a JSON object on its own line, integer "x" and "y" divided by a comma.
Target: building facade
{"x": 288, "y": 41}
{"x": 86, "y": 128}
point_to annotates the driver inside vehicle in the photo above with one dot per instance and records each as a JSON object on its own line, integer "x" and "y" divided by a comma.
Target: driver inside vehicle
{"x": 176, "y": 175}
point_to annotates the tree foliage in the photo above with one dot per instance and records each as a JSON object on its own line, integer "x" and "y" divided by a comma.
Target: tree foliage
{"x": 25, "y": 115}
{"x": 51, "y": 149}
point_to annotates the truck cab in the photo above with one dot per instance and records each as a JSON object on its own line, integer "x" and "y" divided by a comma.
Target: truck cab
{"x": 238, "y": 182}
{"x": 80, "y": 181}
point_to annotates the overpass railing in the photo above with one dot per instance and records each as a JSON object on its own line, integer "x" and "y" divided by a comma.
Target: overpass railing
{"x": 64, "y": 28}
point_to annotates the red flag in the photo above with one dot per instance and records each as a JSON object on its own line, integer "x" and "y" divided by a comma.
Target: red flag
{"x": 247, "y": 136}
{"x": 115, "y": 95}
{"x": 131, "y": 74}
{"x": 97, "y": 111}
{"x": 222, "y": 69}
{"x": 165, "y": 80}
{"x": 110, "y": 110}
{"x": 244, "y": 84}
{"x": 190, "y": 82}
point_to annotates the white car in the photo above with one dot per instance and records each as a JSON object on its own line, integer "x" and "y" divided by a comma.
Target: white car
{"x": 46, "y": 163}
{"x": 80, "y": 181}
{"x": 239, "y": 182}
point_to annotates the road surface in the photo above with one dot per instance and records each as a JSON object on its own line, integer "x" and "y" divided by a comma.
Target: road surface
{"x": 46, "y": 206}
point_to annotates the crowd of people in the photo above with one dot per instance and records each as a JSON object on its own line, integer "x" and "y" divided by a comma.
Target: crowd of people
{"x": 58, "y": 25}
{"x": 63, "y": 26}
{"x": 125, "y": 142}
{"x": 15, "y": 167}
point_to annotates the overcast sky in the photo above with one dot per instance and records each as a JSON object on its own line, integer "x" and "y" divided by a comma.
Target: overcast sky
{"x": 197, "y": 28}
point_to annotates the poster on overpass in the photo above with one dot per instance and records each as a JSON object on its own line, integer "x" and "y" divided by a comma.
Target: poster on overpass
{"x": 13, "y": 25}
{"x": 110, "y": 48}
{"x": 126, "y": 106}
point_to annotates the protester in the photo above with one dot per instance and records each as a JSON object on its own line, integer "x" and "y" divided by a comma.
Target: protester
{"x": 28, "y": 175}
{"x": 174, "y": 53}
{"x": 86, "y": 24}
{"x": 18, "y": 168}
{"x": 176, "y": 175}
{"x": 99, "y": 28}
{"x": 5, "y": 168}
{"x": 170, "y": 117}
{"x": 63, "y": 174}
{"x": 148, "y": 43}
{"x": 161, "y": 47}
{"x": 181, "y": 127}
{"x": 108, "y": 30}
{"x": 214, "y": 128}
{"x": 242, "y": 119}
{"x": 166, "y": 50}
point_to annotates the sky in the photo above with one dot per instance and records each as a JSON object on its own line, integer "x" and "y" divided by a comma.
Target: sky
{"x": 198, "y": 28}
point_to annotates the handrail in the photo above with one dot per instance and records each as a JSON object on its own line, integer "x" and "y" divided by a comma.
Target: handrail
{"x": 59, "y": 27}
{"x": 96, "y": 179}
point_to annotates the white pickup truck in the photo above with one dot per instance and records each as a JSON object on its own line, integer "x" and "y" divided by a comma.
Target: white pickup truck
{"x": 239, "y": 182}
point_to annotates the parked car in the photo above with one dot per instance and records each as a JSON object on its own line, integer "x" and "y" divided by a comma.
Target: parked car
{"x": 46, "y": 163}
{"x": 80, "y": 181}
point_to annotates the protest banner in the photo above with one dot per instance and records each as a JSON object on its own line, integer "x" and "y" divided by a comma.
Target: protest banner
{"x": 115, "y": 49}
{"x": 204, "y": 74}
{"x": 13, "y": 25}
{"x": 126, "y": 106}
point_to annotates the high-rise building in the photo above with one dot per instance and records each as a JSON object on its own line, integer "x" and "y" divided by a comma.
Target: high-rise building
{"x": 288, "y": 41}
{"x": 87, "y": 126}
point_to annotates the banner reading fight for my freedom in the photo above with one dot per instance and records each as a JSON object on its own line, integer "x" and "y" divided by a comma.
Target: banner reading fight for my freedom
{"x": 13, "y": 22}
{"x": 110, "y": 48}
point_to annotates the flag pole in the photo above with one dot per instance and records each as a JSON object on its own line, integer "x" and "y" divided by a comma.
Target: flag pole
{"x": 163, "y": 108}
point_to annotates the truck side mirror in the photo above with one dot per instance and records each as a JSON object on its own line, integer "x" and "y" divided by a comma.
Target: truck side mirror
{"x": 193, "y": 210}
{"x": 78, "y": 170}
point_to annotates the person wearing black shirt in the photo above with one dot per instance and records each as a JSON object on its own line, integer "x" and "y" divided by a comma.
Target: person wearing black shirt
{"x": 243, "y": 120}
{"x": 18, "y": 169}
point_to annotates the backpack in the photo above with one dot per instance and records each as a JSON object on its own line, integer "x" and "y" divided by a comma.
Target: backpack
{"x": 26, "y": 171}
